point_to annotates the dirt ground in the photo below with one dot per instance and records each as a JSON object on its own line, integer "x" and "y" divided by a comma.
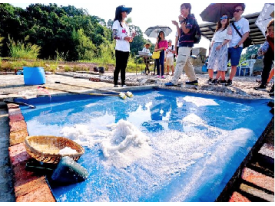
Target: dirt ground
{"x": 242, "y": 86}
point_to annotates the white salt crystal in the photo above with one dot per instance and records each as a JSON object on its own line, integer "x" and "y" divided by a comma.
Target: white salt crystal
{"x": 67, "y": 150}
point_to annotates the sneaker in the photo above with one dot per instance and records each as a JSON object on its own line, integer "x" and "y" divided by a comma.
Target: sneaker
{"x": 115, "y": 85}
{"x": 124, "y": 85}
{"x": 192, "y": 83}
{"x": 261, "y": 87}
{"x": 215, "y": 81}
{"x": 162, "y": 77}
{"x": 222, "y": 82}
{"x": 210, "y": 80}
{"x": 228, "y": 83}
{"x": 169, "y": 84}
{"x": 158, "y": 76}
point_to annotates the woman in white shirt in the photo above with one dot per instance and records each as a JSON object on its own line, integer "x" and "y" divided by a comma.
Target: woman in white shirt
{"x": 121, "y": 34}
{"x": 219, "y": 51}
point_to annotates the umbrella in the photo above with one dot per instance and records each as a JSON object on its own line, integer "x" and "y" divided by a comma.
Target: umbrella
{"x": 265, "y": 17}
{"x": 214, "y": 11}
{"x": 154, "y": 31}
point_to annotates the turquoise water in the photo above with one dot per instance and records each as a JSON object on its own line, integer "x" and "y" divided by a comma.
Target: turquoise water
{"x": 193, "y": 145}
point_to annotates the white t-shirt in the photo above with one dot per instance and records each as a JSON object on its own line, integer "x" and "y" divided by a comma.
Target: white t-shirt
{"x": 220, "y": 35}
{"x": 122, "y": 45}
{"x": 243, "y": 26}
{"x": 145, "y": 50}
{"x": 170, "y": 54}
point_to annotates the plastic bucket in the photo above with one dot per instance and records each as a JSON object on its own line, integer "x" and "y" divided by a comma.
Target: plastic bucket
{"x": 204, "y": 68}
{"x": 34, "y": 75}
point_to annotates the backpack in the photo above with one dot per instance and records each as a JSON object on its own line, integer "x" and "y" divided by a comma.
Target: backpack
{"x": 197, "y": 33}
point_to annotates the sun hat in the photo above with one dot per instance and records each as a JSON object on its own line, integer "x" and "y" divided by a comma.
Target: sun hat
{"x": 147, "y": 44}
{"x": 122, "y": 8}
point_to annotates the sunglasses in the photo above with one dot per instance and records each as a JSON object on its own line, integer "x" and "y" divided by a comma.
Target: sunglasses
{"x": 224, "y": 17}
{"x": 237, "y": 10}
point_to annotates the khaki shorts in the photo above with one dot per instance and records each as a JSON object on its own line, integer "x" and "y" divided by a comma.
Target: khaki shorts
{"x": 170, "y": 61}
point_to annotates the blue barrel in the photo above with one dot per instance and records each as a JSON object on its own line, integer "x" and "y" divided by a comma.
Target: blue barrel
{"x": 34, "y": 75}
{"x": 204, "y": 68}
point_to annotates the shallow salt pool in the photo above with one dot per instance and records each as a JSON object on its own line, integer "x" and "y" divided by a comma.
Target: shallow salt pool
{"x": 160, "y": 145}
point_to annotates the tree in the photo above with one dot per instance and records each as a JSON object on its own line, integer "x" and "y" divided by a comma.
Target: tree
{"x": 110, "y": 24}
{"x": 139, "y": 41}
{"x": 85, "y": 49}
{"x": 65, "y": 29}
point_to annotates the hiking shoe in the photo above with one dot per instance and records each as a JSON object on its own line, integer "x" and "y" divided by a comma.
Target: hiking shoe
{"x": 210, "y": 81}
{"x": 192, "y": 83}
{"x": 261, "y": 87}
{"x": 222, "y": 82}
{"x": 169, "y": 84}
{"x": 215, "y": 81}
{"x": 228, "y": 83}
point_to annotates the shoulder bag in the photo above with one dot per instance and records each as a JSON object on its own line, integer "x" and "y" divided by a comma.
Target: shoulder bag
{"x": 248, "y": 40}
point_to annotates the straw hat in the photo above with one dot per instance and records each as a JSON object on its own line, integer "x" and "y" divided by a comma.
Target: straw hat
{"x": 147, "y": 44}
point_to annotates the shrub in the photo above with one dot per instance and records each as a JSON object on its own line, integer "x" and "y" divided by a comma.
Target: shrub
{"x": 67, "y": 68}
{"x": 23, "y": 50}
{"x": 6, "y": 65}
{"x": 1, "y": 39}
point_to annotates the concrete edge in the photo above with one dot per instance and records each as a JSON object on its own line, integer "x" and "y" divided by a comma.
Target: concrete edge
{"x": 28, "y": 187}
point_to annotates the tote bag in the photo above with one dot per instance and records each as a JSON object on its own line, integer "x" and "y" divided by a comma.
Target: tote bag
{"x": 156, "y": 55}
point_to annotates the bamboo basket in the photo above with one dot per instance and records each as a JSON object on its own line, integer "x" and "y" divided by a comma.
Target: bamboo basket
{"x": 46, "y": 148}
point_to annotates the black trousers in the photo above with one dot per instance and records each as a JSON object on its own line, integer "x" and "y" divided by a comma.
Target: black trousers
{"x": 268, "y": 62}
{"x": 160, "y": 64}
{"x": 156, "y": 65}
{"x": 121, "y": 64}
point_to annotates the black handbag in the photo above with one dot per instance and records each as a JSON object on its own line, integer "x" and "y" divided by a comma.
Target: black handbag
{"x": 248, "y": 40}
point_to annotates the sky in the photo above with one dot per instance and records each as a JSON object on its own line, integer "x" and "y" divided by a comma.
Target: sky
{"x": 146, "y": 13}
